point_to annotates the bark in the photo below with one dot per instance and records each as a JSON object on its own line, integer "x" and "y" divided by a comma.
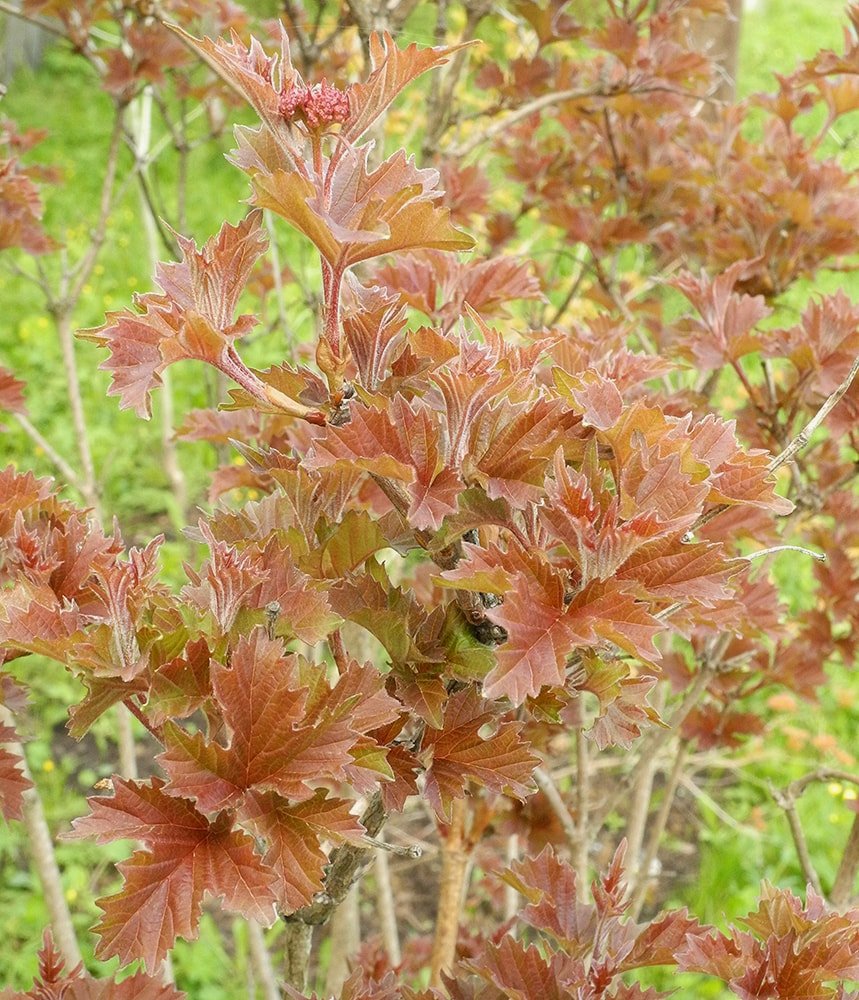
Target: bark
{"x": 453, "y": 868}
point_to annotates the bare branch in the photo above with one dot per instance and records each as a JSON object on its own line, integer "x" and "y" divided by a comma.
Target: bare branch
{"x": 801, "y": 439}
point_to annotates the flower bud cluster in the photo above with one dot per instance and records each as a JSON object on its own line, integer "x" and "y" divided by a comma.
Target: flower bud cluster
{"x": 317, "y": 106}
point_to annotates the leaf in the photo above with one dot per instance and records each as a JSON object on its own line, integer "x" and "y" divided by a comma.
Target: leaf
{"x": 13, "y": 781}
{"x": 52, "y": 982}
{"x": 684, "y": 571}
{"x": 11, "y": 392}
{"x": 622, "y": 719}
{"x": 193, "y": 319}
{"x": 186, "y": 856}
{"x": 549, "y": 885}
{"x": 462, "y": 750}
{"x": 392, "y": 69}
{"x": 592, "y": 395}
{"x": 725, "y": 330}
{"x": 365, "y": 213}
{"x": 523, "y": 973}
{"x": 273, "y": 746}
{"x": 442, "y": 286}
{"x": 292, "y": 834}
{"x": 403, "y": 443}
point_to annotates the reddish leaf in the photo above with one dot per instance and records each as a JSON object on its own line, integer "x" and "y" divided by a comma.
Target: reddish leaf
{"x": 194, "y": 319}
{"x": 274, "y": 746}
{"x": 11, "y": 392}
{"x": 725, "y": 331}
{"x": 13, "y": 782}
{"x": 459, "y": 752}
{"x": 592, "y": 395}
{"x": 54, "y": 983}
{"x": 187, "y": 855}
{"x": 292, "y": 834}
{"x": 403, "y": 444}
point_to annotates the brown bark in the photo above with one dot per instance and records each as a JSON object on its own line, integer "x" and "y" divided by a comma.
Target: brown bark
{"x": 453, "y": 868}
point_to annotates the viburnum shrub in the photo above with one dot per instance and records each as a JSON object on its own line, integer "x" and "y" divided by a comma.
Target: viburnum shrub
{"x": 481, "y": 547}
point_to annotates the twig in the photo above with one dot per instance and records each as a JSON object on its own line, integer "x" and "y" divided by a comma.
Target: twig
{"x": 40, "y": 22}
{"x": 548, "y": 787}
{"x": 787, "y": 803}
{"x": 845, "y": 877}
{"x": 41, "y": 848}
{"x": 657, "y": 830}
{"x": 261, "y": 962}
{"x": 761, "y": 553}
{"x": 801, "y": 439}
{"x": 385, "y": 906}
{"x": 69, "y": 474}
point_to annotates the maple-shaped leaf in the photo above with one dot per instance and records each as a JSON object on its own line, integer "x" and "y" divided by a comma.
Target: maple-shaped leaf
{"x": 546, "y": 620}
{"x": 725, "y": 332}
{"x": 793, "y": 950}
{"x": 554, "y": 906}
{"x": 181, "y": 685}
{"x": 459, "y": 752}
{"x": 11, "y": 392}
{"x": 373, "y": 324}
{"x": 13, "y": 782}
{"x": 681, "y": 571}
{"x": 273, "y": 745}
{"x": 186, "y": 855}
{"x": 54, "y": 982}
{"x": 510, "y": 446}
{"x": 822, "y": 346}
{"x": 592, "y": 395}
{"x": 403, "y": 443}
{"x": 357, "y": 212}
{"x": 441, "y": 286}
{"x": 193, "y": 319}
{"x": 292, "y": 833}
{"x": 595, "y": 535}
{"x": 523, "y": 973}
{"x": 392, "y": 69}
{"x": 623, "y": 717}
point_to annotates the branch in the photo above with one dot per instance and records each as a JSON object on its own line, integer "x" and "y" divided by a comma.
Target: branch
{"x": 345, "y": 868}
{"x": 548, "y": 787}
{"x": 842, "y": 886}
{"x": 45, "y": 25}
{"x": 801, "y": 439}
{"x": 87, "y": 262}
{"x": 453, "y": 868}
{"x": 68, "y": 472}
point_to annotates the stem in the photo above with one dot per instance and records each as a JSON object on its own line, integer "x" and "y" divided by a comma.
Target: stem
{"x": 41, "y": 848}
{"x": 345, "y": 938}
{"x": 69, "y": 474}
{"x": 261, "y": 962}
{"x": 580, "y": 859}
{"x": 135, "y": 710}
{"x": 73, "y": 387}
{"x": 640, "y": 802}
{"x": 658, "y": 829}
{"x": 296, "y": 953}
{"x": 453, "y": 865}
{"x": 125, "y": 740}
{"x": 845, "y": 877}
{"x": 142, "y": 135}
{"x": 386, "y": 908}
{"x": 548, "y": 787}
{"x": 801, "y": 439}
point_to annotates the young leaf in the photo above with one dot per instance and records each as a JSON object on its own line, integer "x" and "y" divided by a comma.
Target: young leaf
{"x": 185, "y": 856}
